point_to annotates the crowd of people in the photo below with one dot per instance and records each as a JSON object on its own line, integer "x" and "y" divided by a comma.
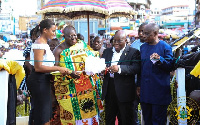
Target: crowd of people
{"x": 137, "y": 72}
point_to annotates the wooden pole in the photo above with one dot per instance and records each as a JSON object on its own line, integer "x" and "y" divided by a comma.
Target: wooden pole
{"x": 42, "y": 4}
{"x": 88, "y": 24}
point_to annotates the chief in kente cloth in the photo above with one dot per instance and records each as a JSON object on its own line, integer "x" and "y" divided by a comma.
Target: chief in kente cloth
{"x": 78, "y": 94}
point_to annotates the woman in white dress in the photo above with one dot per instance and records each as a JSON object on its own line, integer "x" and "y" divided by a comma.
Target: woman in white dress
{"x": 39, "y": 79}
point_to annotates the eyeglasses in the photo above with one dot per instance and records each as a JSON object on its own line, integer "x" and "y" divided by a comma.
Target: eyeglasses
{"x": 118, "y": 41}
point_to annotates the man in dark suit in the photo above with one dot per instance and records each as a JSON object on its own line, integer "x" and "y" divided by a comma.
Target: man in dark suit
{"x": 119, "y": 83}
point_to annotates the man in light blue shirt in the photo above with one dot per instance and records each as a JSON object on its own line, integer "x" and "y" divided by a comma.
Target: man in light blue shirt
{"x": 137, "y": 43}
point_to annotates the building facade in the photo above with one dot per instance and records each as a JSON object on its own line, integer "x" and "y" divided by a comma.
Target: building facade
{"x": 8, "y": 23}
{"x": 178, "y": 16}
{"x": 180, "y": 10}
{"x": 173, "y": 16}
{"x": 155, "y": 16}
{"x": 140, "y": 6}
{"x": 26, "y": 23}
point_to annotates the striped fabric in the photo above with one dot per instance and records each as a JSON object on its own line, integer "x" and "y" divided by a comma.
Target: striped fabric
{"x": 55, "y": 3}
{"x": 23, "y": 85}
{"x": 95, "y": 3}
{"x": 119, "y": 8}
{"x": 117, "y": 3}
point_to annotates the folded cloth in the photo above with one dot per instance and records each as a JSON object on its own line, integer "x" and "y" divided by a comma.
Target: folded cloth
{"x": 196, "y": 70}
{"x": 14, "y": 68}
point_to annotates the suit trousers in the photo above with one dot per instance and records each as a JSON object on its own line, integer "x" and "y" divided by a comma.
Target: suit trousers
{"x": 154, "y": 114}
{"x": 123, "y": 110}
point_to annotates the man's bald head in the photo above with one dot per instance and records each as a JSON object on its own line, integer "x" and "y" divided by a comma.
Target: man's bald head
{"x": 119, "y": 40}
{"x": 151, "y": 33}
{"x": 120, "y": 33}
{"x": 70, "y": 35}
{"x": 67, "y": 29}
{"x": 143, "y": 24}
{"x": 153, "y": 27}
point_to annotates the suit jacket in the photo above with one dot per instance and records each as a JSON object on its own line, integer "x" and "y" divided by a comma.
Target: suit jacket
{"x": 125, "y": 81}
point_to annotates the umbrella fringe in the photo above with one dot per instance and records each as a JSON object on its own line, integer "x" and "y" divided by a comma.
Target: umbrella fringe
{"x": 85, "y": 16}
{"x": 121, "y": 15}
{"x": 74, "y": 18}
{"x": 122, "y": 10}
{"x": 51, "y": 9}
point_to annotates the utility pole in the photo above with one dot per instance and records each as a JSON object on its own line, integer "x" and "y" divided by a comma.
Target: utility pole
{"x": 195, "y": 12}
{"x": 0, "y": 6}
{"x": 188, "y": 18}
{"x": 42, "y": 4}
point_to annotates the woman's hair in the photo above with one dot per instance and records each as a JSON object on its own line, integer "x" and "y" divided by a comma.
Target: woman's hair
{"x": 54, "y": 40}
{"x": 46, "y": 23}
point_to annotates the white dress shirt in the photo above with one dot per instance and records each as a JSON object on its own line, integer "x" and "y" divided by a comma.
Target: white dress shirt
{"x": 115, "y": 58}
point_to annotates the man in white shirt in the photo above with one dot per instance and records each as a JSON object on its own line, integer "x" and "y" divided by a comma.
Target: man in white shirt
{"x": 119, "y": 81}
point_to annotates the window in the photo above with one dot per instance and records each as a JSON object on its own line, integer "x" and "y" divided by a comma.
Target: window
{"x": 114, "y": 20}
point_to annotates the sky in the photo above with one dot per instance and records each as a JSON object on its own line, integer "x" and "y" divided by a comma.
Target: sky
{"x": 25, "y": 7}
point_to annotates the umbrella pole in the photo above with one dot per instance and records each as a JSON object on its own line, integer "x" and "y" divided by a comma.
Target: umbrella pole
{"x": 88, "y": 23}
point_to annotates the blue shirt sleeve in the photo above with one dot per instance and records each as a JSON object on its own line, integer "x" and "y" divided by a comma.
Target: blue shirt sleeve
{"x": 167, "y": 62}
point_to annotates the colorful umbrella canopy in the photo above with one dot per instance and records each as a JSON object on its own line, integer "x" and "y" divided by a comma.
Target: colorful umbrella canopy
{"x": 74, "y": 9}
{"x": 118, "y": 8}
{"x": 54, "y": 6}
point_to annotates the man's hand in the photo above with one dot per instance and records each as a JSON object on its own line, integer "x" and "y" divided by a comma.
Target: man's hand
{"x": 75, "y": 75}
{"x": 155, "y": 56}
{"x": 105, "y": 71}
{"x": 138, "y": 92}
{"x": 114, "y": 68}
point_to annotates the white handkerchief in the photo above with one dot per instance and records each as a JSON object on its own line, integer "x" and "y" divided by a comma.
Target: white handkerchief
{"x": 94, "y": 65}
{"x": 112, "y": 75}
{"x": 154, "y": 61}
